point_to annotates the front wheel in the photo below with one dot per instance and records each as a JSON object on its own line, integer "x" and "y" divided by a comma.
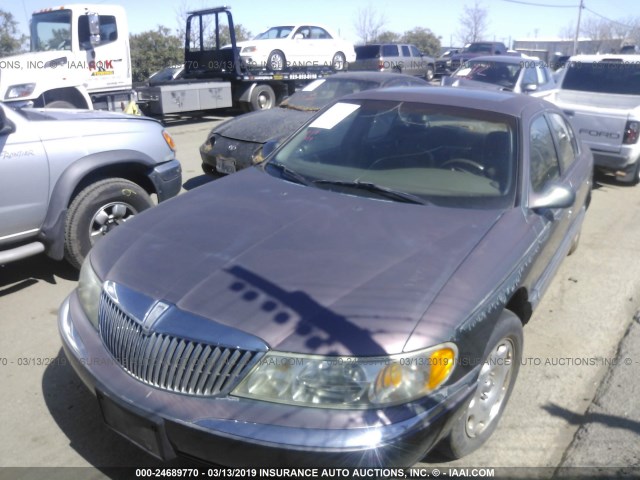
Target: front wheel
{"x": 60, "y": 104}
{"x": 96, "y": 210}
{"x": 479, "y": 418}
{"x": 430, "y": 73}
{"x": 339, "y": 62}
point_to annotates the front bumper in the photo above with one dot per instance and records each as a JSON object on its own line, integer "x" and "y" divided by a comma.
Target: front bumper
{"x": 167, "y": 179}
{"x": 228, "y": 155}
{"x": 244, "y": 433}
{"x": 625, "y": 161}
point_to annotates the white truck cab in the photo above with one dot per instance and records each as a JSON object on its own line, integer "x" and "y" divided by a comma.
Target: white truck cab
{"x": 79, "y": 57}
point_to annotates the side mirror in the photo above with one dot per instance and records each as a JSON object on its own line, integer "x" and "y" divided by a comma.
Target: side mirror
{"x": 529, "y": 87}
{"x": 554, "y": 196}
{"x": 298, "y": 36}
{"x": 94, "y": 28}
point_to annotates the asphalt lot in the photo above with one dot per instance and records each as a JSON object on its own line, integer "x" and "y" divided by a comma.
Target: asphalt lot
{"x": 566, "y": 408}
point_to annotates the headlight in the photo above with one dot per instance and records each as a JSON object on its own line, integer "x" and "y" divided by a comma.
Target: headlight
{"x": 20, "y": 91}
{"x": 348, "y": 382}
{"x": 89, "y": 289}
{"x": 250, "y": 49}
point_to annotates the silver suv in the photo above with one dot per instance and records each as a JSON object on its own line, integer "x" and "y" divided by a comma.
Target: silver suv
{"x": 394, "y": 57}
{"x": 67, "y": 177}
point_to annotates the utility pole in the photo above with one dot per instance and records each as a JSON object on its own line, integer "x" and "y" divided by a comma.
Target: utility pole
{"x": 575, "y": 40}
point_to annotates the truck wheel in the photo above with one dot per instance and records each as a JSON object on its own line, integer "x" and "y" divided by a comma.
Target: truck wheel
{"x": 478, "y": 419}
{"x": 276, "y": 61}
{"x": 339, "y": 62}
{"x": 98, "y": 209}
{"x": 262, "y": 98}
{"x": 60, "y": 104}
{"x": 430, "y": 73}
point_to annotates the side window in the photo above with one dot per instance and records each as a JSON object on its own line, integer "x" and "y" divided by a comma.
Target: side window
{"x": 567, "y": 145}
{"x": 405, "y": 51}
{"x": 415, "y": 52}
{"x": 319, "y": 33}
{"x": 390, "y": 51}
{"x": 530, "y": 76}
{"x": 543, "y": 161}
{"x": 304, "y": 31}
{"x": 542, "y": 75}
{"x": 108, "y": 31}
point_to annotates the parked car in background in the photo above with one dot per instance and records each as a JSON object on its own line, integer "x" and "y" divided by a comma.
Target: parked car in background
{"x": 441, "y": 61}
{"x": 601, "y": 96}
{"x": 237, "y": 143}
{"x": 297, "y": 46}
{"x": 68, "y": 177}
{"x": 391, "y": 57}
{"x": 446, "y": 66}
{"x": 173, "y": 72}
{"x": 512, "y": 74}
{"x": 355, "y": 300}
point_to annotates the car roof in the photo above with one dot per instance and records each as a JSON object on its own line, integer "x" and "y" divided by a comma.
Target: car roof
{"x": 506, "y": 103}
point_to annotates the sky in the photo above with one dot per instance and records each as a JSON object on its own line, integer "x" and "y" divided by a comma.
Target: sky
{"x": 508, "y": 20}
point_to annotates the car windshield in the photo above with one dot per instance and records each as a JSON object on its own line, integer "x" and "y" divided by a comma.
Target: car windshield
{"x": 499, "y": 73}
{"x": 274, "y": 32}
{"x": 51, "y": 31}
{"x": 449, "y": 156}
{"x": 321, "y": 92}
{"x": 603, "y": 77}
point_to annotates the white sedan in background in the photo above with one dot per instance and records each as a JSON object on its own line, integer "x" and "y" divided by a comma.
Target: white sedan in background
{"x": 297, "y": 46}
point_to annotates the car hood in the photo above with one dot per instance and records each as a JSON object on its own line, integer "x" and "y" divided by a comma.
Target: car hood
{"x": 70, "y": 114}
{"x": 259, "y": 127}
{"x": 306, "y": 270}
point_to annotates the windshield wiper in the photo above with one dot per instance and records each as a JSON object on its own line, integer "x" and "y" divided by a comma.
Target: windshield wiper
{"x": 379, "y": 189}
{"x": 286, "y": 172}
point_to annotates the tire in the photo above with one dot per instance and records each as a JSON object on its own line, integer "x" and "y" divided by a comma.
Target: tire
{"x": 276, "y": 61}
{"x": 60, "y": 104}
{"x": 339, "y": 62}
{"x": 633, "y": 177}
{"x": 430, "y": 73}
{"x": 96, "y": 210}
{"x": 262, "y": 98}
{"x": 473, "y": 426}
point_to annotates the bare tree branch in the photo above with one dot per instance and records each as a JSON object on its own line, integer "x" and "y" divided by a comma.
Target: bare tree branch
{"x": 368, "y": 23}
{"x": 473, "y": 23}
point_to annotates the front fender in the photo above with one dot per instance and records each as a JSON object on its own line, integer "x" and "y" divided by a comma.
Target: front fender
{"x": 73, "y": 178}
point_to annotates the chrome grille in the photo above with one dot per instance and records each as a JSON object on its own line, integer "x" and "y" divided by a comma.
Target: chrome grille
{"x": 169, "y": 362}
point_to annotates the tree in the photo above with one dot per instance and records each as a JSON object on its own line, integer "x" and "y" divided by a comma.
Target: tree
{"x": 473, "y": 23}
{"x": 387, "y": 37}
{"x": 368, "y": 23}
{"x": 10, "y": 40}
{"x": 153, "y": 50}
{"x": 424, "y": 39}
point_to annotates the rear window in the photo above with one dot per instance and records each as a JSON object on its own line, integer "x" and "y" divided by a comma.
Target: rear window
{"x": 367, "y": 51}
{"x": 603, "y": 77}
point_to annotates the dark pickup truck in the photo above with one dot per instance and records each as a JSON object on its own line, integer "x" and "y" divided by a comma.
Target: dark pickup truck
{"x": 447, "y": 66}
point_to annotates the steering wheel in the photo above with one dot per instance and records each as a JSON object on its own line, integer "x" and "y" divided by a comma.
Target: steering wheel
{"x": 465, "y": 165}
